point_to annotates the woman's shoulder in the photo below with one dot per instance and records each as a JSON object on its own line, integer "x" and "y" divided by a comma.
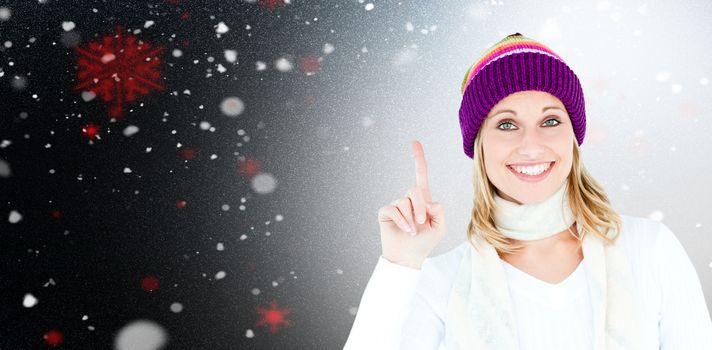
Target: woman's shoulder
{"x": 641, "y": 240}
{"x": 639, "y": 232}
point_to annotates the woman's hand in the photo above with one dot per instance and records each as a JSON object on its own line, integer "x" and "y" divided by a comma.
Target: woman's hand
{"x": 412, "y": 248}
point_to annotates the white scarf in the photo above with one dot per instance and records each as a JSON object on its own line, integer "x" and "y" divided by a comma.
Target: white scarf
{"x": 480, "y": 312}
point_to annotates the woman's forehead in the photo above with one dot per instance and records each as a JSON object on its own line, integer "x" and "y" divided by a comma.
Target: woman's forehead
{"x": 530, "y": 97}
{"x": 527, "y": 102}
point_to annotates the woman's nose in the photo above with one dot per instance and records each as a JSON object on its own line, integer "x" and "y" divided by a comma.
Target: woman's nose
{"x": 532, "y": 141}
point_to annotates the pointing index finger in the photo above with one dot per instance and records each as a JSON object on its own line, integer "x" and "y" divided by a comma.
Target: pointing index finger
{"x": 421, "y": 169}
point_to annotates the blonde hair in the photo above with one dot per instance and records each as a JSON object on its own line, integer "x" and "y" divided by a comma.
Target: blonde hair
{"x": 587, "y": 199}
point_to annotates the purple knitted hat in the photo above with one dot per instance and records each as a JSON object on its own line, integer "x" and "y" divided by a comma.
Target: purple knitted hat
{"x": 517, "y": 63}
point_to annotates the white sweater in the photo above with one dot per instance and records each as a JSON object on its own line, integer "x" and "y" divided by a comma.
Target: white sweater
{"x": 404, "y": 308}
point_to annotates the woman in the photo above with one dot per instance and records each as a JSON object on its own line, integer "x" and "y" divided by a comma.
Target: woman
{"x": 548, "y": 263}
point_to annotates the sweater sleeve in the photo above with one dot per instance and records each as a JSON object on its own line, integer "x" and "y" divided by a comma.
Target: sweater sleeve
{"x": 384, "y": 307}
{"x": 423, "y": 329}
{"x": 685, "y": 321}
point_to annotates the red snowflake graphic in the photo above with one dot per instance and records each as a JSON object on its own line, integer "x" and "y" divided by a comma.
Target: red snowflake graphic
{"x": 118, "y": 69}
{"x": 273, "y": 317}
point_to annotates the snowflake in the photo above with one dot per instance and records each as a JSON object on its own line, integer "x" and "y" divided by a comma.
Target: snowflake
{"x": 118, "y": 69}
{"x": 273, "y": 317}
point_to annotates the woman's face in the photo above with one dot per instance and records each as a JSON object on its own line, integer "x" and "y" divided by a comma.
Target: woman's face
{"x": 531, "y": 133}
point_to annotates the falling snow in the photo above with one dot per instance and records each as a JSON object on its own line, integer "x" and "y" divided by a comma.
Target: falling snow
{"x": 5, "y": 14}
{"x": 68, "y": 25}
{"x": 176, "y": 307}
{"x": 29, "y": 300}
{"x": 141, "y": 335}
{"x": 232, "y": 106}
{"x": 15, "y": 217}
{"x": 221, "y": 28}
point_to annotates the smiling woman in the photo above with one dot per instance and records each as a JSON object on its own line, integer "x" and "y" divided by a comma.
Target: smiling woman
{"x": 548, "y": 263}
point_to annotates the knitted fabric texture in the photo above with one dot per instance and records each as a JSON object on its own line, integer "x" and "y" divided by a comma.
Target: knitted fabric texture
{"x": 517, "y": 63}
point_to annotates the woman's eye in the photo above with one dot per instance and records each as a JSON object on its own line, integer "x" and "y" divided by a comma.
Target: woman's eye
{"x": 503, "y": 123}
{"x": 557, "y": 122}
{"x": 510, "y": 123}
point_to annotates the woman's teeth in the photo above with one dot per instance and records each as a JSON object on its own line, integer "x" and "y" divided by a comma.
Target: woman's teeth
{"x": 532, "y": 170}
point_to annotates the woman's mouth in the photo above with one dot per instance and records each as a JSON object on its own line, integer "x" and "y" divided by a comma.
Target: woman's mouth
{"x": 532, "y": 173}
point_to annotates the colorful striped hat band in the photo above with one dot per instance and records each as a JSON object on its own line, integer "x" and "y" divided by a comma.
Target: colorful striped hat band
{"x": 517, "y": 63}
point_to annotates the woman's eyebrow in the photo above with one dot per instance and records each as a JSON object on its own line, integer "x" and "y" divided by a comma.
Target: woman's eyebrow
{"x": 515, "y": 113}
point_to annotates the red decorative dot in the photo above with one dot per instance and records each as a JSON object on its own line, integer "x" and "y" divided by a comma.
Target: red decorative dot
{"x": 689, "y": 108}
{"x": 271, "y": 4}
{"x": 250, "y": 167}
{"x": 91, "y": 130}
{"x": 251, "y": 266}
{"x": 310, "y": 99}
{"x": 149, "y": 283}
{"x": 53, "y": 337}
{"x": 56, "y": 214}
{"x": 310, "y": 64}
{"x": 188, "y": 153}
{"x": 185, "y": 15}
{"x": 180, "y": 204}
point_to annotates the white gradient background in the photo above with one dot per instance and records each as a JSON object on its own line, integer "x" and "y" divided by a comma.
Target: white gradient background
{"x": 644, "y": 67}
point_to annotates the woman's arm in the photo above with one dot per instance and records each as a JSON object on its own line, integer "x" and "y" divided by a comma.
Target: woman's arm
{"x": 388, "y": 302}
{"x": 423, "y": 329}
{"x": 685, "y": 321}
